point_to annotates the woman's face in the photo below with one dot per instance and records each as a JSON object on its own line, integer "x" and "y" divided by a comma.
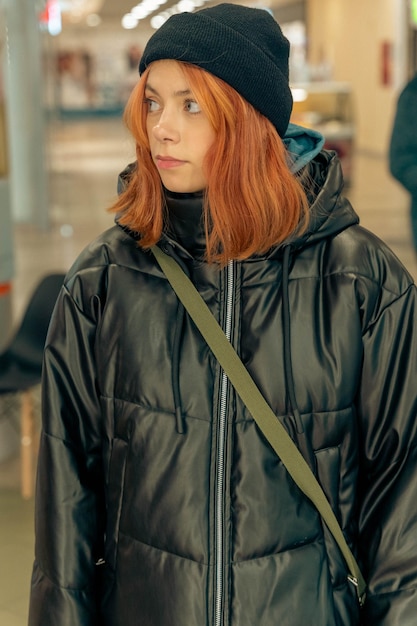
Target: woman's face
{"x": 179, "y": 132}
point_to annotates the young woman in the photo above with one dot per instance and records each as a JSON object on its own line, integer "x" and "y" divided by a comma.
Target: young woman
{"x": 159, "y": 501}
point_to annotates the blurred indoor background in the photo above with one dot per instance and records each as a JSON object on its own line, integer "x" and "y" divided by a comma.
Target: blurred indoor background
{"x": 66, "y": 70}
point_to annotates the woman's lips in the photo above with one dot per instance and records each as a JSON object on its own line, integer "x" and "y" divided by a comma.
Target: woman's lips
{"x": 167, "y": 163}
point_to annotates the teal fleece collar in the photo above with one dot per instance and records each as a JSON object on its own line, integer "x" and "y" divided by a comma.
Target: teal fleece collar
{"x": 302, "y": 144}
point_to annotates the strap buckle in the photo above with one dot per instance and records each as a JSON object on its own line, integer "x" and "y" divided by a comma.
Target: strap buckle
{"x": 355, "y": 583}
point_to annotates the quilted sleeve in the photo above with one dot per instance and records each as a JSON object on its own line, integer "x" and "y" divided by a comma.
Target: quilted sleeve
{"x": 69, "y": 511}
{"x": 388, "y": 506}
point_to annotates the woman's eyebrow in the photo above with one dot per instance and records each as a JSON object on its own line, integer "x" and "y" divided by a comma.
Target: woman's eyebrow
{"x": 178, "y": 94}
{"x": 182, "y": 92}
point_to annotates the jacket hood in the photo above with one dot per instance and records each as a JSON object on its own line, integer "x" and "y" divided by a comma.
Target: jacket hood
{"x": 330, "y": 211}
{"x": 302, "y": 144}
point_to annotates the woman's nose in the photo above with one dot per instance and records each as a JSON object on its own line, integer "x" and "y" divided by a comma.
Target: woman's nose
{"x": 166, "y": 129}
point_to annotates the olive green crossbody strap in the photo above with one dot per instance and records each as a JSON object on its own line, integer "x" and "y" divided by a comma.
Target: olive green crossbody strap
{"x": 261, "y": 412}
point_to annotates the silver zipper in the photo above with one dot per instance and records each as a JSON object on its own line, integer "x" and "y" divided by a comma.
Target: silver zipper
{"x": 220, "y": 476}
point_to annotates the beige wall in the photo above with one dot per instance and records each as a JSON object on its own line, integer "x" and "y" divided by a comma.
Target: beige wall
{"x": 349, "y": 35}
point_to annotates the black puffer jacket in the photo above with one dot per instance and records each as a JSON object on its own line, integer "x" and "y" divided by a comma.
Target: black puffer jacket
{"x": 202, "y": 524}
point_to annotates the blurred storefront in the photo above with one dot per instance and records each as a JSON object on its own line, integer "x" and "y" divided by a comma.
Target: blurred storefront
{"x": 328, "y": 108}
{"x": 319, "y": 101}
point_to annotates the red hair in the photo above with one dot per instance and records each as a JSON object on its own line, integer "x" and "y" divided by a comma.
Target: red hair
{"x": 252, "y": 201}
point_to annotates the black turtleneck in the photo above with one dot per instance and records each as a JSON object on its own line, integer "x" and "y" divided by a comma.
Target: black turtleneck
{"x": 185, "y": 220}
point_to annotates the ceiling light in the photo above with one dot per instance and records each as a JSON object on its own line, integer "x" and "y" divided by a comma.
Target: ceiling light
{"x": 129, "y": 21}
{"x": 157, "y": 21}
{"x": 186, "y": 6}
{"x": 139, "y": 12}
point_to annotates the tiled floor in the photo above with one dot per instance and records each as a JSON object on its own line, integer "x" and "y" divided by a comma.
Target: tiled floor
{"x": 85, "y": 158}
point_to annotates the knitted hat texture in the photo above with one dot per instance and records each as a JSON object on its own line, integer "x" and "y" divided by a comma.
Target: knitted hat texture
{"x": 245, "y": 47}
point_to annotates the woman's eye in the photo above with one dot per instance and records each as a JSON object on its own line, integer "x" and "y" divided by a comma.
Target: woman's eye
{"x": 152, "y": 105}
{"x": 192, "y": 106}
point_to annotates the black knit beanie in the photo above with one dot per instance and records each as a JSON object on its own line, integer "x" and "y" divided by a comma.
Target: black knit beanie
{"x": 242, "y": 46}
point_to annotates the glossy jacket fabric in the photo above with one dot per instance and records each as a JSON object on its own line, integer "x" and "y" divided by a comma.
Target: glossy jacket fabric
{"x": 165, "y": 505}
